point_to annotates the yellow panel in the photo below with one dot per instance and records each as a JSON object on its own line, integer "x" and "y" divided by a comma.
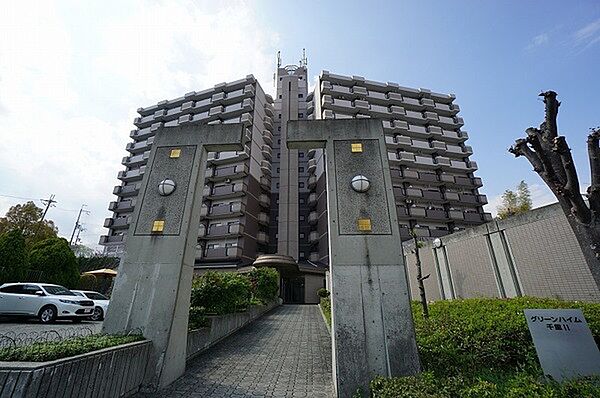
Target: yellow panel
{"x": 158, "y": 226}
{"x": 356, "y": 147}
{"x": 175, "y": 153}
{"x": 364, "y": 224}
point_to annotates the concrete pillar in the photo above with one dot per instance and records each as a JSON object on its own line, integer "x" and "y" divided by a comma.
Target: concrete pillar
{"x": 372, "y": 326}
{"x": 152, "y": 289}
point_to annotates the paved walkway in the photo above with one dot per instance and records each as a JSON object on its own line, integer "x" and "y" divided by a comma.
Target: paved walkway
{"x": 286, "y": 353}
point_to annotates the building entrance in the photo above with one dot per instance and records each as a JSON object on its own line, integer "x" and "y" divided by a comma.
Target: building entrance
{"x": 292, "y": 290}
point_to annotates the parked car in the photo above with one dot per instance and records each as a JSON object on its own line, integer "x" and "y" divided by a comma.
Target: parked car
{"x": 100, "y": 303}
{"x": 45, "y": 301}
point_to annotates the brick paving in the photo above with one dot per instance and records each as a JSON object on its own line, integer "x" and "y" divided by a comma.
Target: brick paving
{"x": 286, "y": 353}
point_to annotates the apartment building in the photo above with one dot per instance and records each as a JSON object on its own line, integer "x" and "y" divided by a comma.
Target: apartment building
{"x": 269, "y": 200}
{"x": 235, "y": 210}
{"x": 435, "y": 188}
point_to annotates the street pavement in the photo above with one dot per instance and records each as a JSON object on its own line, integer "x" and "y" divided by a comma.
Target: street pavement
{"x": 286, "y": 353}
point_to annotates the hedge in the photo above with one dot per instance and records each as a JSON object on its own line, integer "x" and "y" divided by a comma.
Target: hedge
{"x": 483, "y": 348}
{"x": 218, "y": 293}
{"x": 52, "y": 350}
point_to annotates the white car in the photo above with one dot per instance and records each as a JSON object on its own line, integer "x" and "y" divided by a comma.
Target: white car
{"x": 100, "y": 303}
{"x": 45, "y": 301}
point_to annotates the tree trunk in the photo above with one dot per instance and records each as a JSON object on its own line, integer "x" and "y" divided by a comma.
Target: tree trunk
{"x": 420, "y": 280}
{"x": 551, "y": 158}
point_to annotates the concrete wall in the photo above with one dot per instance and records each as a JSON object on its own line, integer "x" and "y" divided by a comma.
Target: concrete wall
{"x": 222, "y": 326}
{"x": 533, "y": 254}
{"x": 312, "y": 283}
{"x": 111, "y": 372}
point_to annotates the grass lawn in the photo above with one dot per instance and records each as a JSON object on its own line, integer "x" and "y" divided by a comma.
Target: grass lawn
{"x": 482, "y": 348}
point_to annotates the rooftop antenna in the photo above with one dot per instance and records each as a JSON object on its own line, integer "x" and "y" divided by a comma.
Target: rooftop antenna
{"x": 278, "y": 59}
{"x": 304, "y": 61}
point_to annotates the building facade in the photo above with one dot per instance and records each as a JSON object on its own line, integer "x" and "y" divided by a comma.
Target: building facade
{"x": 269, "y": 200}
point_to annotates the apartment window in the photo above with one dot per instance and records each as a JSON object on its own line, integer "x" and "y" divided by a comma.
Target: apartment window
{"x": 278, "y": 128}
{"x": 301, "y": 185}
{"x": 278, "y": 155}
{"x": 300, "y": 154}
{"x": 300, "y": 95}
{"x": 278, "y": 169}
{"x": 279, "y": 94}
{"x": 300, "y": 169}
{"x": 277, "y": 185}
{"x": 279, "y": 116}
{"x": 300, "y": 115}
{"x": 302, "y": 201}
{"x": 301, "y": 235}
{"x": 299, "y": 77}
{"x": 279, "y": 141}
{"x": 212, "y": 246}
{"x": 302, "y": 218}
{"x": 281, "y": 78}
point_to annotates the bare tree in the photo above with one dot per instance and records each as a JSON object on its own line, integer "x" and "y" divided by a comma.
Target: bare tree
{"x": 551, "y": 158}
{"x": 420, "y": 277}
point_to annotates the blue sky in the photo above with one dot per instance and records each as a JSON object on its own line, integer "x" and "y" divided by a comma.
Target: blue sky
{"x": 72, "y": 75}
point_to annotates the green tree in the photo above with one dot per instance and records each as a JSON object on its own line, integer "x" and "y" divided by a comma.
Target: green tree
{"x": 515, "y": 202}
{"x": 26, "y": 218}
{"x": 13, "y": 257}
{"x": 54, "y": 258}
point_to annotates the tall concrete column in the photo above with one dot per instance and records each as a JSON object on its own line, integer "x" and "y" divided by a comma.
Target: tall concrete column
{"x": 153, "y": 285}
{"x": 372, "y": 326}
{"x": 287, "y": 241}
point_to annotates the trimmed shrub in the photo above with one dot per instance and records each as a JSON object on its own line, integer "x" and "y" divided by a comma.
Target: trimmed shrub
{"x": 265, "y": 284}
{"x": 13, "y": 257}
{"x": 197, "y": 318}
{"x": 54, "y": 258}
{"x": 483, "y": 348}
{"x": 221, "y": 292}
{"x": 49, "y": 351}
{"x": 326, "y": 308}
{"x": 323, "y": 293}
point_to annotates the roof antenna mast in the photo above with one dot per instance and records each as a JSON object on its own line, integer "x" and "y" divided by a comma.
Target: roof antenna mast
{"x": 304, "y": 61}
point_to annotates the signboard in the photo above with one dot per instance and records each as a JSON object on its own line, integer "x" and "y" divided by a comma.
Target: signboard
{"x": 564, "y": 343}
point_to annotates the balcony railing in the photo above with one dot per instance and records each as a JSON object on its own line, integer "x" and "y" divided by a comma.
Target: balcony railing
{"x": 226, "y": 191}
{"x": 222, "y": 253}
{"x": 124, "y": 206}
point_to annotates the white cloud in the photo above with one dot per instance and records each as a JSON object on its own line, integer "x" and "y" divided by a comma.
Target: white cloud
{"x": 588, "y": 35}
{"x": 538, "y": 41}
{"x": 68, "y": 101}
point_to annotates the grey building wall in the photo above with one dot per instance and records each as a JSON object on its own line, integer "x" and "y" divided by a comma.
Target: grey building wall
{"x": 533, "y": 254}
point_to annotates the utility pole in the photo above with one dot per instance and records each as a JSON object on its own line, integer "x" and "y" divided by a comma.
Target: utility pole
{"x": 49, "y": 203}
{"x": 77, "y": 224}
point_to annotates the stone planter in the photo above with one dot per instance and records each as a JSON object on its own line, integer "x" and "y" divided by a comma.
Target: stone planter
{"x": 111, "y": 372}
{"x": 221, "y": 326}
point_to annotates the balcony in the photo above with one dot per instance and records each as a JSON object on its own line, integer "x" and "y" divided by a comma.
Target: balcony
{"x": 222, "y": 253}
{"x": 111, "y": 239}
{"x": 228, "y": 172}
{"x": 312, "y": 199}
{"x": 132, "y": 175}
{"x": 313, "y": 218}
{"x": 267, "y": 152}
{"x": 140, "y": 146}
{"x": 142, "y": 134}
{"x": 222, "y": 231}
{"x": 227, "y": 191}
{"x": 262, "y": 238}
{"x": 137, "y": 160}
{"x": 313, "y": 237}
{"x": 312, "y": 182}
{"x": 314, "y": 256}
{"x": 312, "y": 165}
{"x": 127, "y": 190}
{"x": 218, "y": 158}
{"x": 268, "y": 122}
{"x": 263, "y": 218}
{"x": 268, "y": 137}
{"x": 436, "y": 214}
{"x": 265, "y": 167}
{"x": 311, "y": 153}
{"x": 225, "y": 210}
{"x": 125, "y": 206}
{"x": 269, "y": 110}
{"x": 264, "y": 200}
{"x": 265, "y": 182}
{"x": 117, "y": 223}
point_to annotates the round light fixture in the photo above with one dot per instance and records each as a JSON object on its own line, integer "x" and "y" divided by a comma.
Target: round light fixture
{"x": 166, "y": 187}
{"x": 360, "y": 183}
{"x": 437, "y": 243}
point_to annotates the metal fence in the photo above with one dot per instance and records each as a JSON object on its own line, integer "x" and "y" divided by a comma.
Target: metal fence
{"x": 14, "y": 338}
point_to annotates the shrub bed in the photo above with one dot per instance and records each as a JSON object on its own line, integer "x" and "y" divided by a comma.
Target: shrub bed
{"x": 482, "y": 348}
{"x": 219, "y": 293}
{"x": 52, "y": 350}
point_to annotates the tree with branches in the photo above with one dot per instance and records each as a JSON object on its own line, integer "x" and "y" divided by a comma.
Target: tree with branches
{"x": 550, "y": 156}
